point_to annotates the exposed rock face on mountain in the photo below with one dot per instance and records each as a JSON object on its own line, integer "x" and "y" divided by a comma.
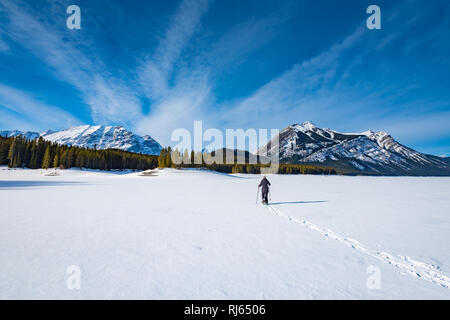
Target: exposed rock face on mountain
{"x": 366, "y": 152}
{"x": 100, "y": 137}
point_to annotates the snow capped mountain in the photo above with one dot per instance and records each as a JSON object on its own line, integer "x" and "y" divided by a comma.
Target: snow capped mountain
{"x": 100, "y": 137}
{"x": 14, "y": 133}
{"x": 104, "y": 137}
{"x": 370, "y": 152}
{"x": 367, "y": 152}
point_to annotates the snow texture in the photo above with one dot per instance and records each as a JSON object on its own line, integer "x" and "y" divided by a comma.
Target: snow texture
{"x": 194, "y": 234}
{"x": 100, "y": 137}
{"x": 309, "y": 143}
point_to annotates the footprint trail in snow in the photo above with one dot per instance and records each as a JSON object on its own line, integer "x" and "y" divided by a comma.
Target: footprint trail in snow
{"x": 406, "y": 265}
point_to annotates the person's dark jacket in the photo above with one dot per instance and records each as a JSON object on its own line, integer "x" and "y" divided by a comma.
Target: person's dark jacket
{"x": 265, "y": 185}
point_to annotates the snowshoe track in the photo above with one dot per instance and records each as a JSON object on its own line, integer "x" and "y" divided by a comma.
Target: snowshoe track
{"x": 405, "y": 265}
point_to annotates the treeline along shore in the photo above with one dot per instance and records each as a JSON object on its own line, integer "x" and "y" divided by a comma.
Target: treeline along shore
{"x": 19, "y": 152}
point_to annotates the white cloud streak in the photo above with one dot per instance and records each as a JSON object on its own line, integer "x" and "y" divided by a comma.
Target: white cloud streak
{"x": 331, "y": 88}
{"x": 300, "y": 87}
{"x": 23, "y": 108}
{"x": 109, "y": 98}
{"x": 155, "y": 70}
{"x": 189, "y": 96}
{"x": 180, "y": 86}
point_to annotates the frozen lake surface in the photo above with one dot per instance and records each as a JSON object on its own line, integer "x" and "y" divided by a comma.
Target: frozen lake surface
{"x": 199, "y": 235}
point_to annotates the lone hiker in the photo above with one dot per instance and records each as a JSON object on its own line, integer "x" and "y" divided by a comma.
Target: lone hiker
{"x": 264, "y": 190}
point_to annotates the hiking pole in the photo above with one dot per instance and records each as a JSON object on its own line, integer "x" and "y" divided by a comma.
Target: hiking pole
{"x": 257, "y": 195}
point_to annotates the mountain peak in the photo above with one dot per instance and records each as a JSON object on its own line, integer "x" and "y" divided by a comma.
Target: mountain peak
{"x": 98, "y": 136}
{"x": 105, "y": 137}
{"x": 368, "y": 133}
{"x": 308, "y": 125}
{"x": 369, "y": 151}
{"x": 305, "y": 126}
{"x": 377, "y": 134}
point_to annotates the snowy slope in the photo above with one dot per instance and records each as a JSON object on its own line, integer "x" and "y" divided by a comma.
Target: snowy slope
{"x": 14, "y": 133}
{"x": 371, "y": 152}
{"x": 101, "y": 137}
{"x": 199, "y": 235}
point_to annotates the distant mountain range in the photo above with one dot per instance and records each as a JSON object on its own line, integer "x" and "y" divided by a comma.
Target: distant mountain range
{"x": 360, "y": 153}
{"x": 353, "y": 153}
{"x": 100, "y": 137}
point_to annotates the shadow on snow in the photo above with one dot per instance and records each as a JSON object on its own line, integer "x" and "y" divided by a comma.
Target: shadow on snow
{"x": 295, "y": 202}
{"x": 20, "y": 184}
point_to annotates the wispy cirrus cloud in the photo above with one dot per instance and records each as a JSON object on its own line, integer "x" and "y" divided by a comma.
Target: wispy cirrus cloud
{"x": 25, "y": 111}
{"x": 110, "y": 99}
{"x": 233, "y": 47}
{"x": 186, "y": 93}
{"x": 347, "y": 86}
{"x": 292, "y": 89}
{"x": 179, "y": 91}
{"x": 156, "y": 69}
{"x": 384, "y": 79}
{"x": 176, "y": 103}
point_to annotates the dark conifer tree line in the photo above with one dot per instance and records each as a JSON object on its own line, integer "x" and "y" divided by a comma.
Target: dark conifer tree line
{"x": 19, "y": 152}
{"x": 203, "y": 160}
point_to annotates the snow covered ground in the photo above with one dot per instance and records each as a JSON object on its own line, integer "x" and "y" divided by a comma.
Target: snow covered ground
{"x": 199, "y": 235}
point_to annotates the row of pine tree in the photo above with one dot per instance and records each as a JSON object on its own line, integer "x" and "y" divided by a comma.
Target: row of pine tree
{"x": 19, "y": 152}
{"x": 203, "y": 160}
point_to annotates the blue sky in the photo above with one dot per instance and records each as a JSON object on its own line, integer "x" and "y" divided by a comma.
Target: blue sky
{"x": 154, "y": 66}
